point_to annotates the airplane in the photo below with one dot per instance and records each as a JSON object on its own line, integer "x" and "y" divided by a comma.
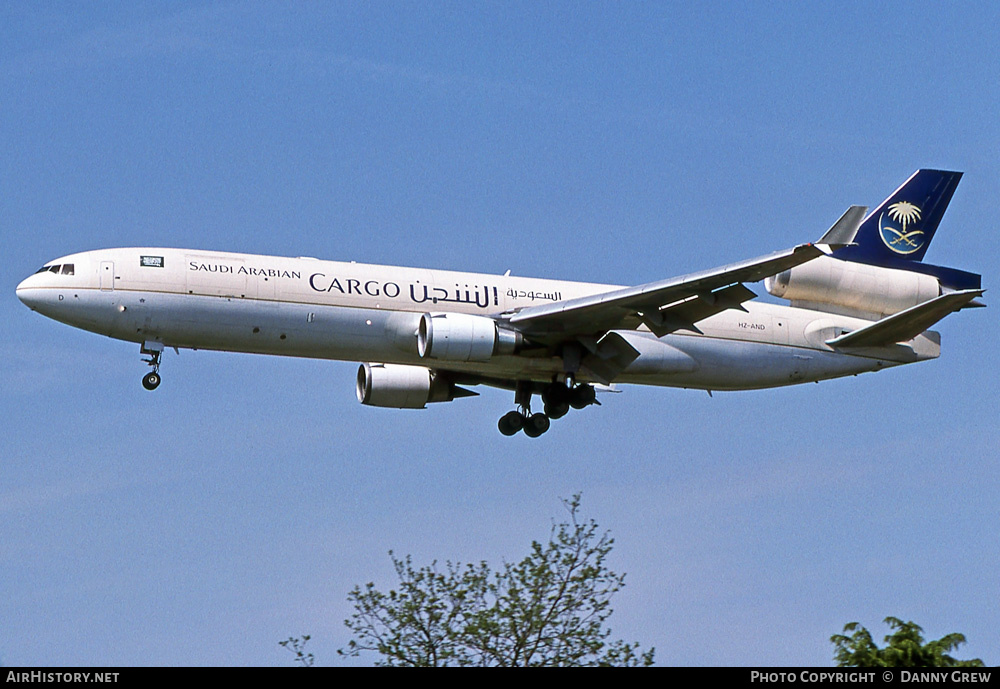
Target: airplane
{"x": 861, "y": 299}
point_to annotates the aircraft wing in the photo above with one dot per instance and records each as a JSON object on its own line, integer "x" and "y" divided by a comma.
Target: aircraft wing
{"x": 666, "y": 305}
{"x": 677, "y": 303}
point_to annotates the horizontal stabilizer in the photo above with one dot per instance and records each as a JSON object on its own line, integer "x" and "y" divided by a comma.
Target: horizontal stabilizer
{"x": 843, "y": 231}
{"x": 906, "y": 325}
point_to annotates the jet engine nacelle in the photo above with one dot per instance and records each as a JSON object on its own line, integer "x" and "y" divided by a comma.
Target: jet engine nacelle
{"x": 404, "y": 387}
{"x": 463, "y": 337}
{"x": 856, "y": 289}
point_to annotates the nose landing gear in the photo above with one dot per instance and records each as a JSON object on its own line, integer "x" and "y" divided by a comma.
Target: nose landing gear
{"x": 154, "y": 350}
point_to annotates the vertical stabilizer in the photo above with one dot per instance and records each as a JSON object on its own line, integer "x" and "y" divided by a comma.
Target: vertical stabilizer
{"x": 902, "y": 226}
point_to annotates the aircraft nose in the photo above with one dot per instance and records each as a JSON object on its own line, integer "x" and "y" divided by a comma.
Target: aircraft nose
{"x": 30, "y": 294}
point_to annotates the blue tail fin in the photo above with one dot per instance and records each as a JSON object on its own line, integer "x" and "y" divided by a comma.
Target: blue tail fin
{"x": 903, "y": 225}
{"x": 898, "y": 232}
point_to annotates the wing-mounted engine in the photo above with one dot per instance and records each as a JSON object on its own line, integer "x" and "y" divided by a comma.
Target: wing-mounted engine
{"x": 404, "y": 387}
{"x": 463, "y": 337}
{"x": 853, "y": 289}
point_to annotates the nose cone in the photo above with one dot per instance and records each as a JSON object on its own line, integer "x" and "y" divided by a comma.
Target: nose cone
{"x": 32, "y": 294}
{"x": 24, "y": 292}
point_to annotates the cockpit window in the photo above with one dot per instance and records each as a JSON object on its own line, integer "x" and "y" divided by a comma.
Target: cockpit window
{"x": 63, "y": 269}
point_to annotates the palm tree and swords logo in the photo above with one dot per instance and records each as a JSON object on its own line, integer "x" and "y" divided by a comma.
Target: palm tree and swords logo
{"x": 898, "y": 239}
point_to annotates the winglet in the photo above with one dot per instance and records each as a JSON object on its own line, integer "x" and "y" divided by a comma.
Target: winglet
{"x": 842, "y": 232}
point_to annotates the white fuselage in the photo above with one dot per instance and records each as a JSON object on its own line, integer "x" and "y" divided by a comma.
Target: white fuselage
{"x": 357, "y": 312}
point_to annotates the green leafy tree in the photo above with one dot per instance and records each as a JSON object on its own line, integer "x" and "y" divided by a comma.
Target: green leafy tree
{"x": 549, "y": 609}
{"x": 905, "y": 647}
{"x": 297, "y": 645}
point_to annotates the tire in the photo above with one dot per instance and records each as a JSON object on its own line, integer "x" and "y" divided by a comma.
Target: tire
{"x": 535, "y": 425}
{"x": 555, "y": 393}
{"x": 556, "y": 410}
{"x": 583, "y": 396}
{"x": 510, "y": 423}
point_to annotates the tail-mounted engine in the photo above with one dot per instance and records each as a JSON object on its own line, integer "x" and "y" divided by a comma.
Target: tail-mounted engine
{"x": 463, "y": 337}
{"x": 404, "y": 387}
{"x": 854, "y": 289}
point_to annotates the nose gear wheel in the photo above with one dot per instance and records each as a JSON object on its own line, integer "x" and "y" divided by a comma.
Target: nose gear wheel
{"x": 154, "y": 350}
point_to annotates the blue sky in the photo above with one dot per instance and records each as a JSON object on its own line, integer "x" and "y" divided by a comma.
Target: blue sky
{"x": 622, "y": 143}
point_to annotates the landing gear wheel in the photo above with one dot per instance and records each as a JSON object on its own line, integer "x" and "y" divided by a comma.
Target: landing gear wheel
{"x": 556, "y": 410}
{"x": 555, "y": 393}
{"x": 510, "y": 423}
{"x": 535, "y": 425}
{"x": 583, "y": 395}
{"x": 151, "y": 380}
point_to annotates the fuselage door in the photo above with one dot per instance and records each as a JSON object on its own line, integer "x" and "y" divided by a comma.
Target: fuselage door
{"x": 107, "y": 276}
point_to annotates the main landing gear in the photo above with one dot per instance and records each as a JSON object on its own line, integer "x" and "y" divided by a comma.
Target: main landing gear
{"x": 154, "y": 350}
{"x": 557, "y": 399}
{"x": 533, "y": 425}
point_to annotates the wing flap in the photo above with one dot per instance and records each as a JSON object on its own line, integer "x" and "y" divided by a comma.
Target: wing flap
{"x": 609, "y": 357}
{"x": 905, "y": 325}
{"x": 683, "y": 315}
